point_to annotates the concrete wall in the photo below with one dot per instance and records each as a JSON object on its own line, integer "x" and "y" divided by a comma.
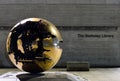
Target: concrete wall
{"x": 62, "y": 14}
{"x": 100, "y": 46}
{"x": 72, "y": 17}
{"x": 60, "y": 2}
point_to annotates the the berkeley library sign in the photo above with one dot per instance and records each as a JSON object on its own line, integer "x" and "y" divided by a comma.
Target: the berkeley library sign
{"x": 98, "y": 45}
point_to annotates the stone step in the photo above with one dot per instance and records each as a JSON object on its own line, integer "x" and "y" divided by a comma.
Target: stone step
{"x": 78, "y": 66}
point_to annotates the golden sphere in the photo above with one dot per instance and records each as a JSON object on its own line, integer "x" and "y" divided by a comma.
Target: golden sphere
{"x": 33, "y": 45}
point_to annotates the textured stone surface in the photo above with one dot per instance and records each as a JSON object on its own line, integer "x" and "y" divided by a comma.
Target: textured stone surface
{"x": 98, "y": 47}
{"x": 45, "y": 76}
{"x": 77, "y": 66}
{"x": 62, "y": 14}
{"x": 60, "y": 2}
{"x": 95, "y": 74}
{"x": 3, "y": 55}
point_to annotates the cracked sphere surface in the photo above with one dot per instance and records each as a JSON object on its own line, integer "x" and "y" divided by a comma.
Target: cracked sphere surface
{"x": 33, "y": 45}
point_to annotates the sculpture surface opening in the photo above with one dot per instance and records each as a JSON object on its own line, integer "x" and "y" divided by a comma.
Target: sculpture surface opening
{"x": 33, "y": 45}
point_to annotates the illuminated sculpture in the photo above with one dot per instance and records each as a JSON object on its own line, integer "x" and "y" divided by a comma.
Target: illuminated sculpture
{"x": 33, "y": 45}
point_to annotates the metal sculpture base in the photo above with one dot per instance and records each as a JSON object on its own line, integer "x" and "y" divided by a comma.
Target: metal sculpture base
{"x": 45, "y": 76}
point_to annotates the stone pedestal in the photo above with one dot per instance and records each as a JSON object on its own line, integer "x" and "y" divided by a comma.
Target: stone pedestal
{"x": 45, "y": 76}
{"x": 78, "y": 66}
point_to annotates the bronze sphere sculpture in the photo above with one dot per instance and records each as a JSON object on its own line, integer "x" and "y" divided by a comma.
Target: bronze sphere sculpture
{"x": 33, "y": 45}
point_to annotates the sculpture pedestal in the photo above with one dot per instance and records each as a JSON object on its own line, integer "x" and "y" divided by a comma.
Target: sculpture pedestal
{"x": 45, "y": 76}
{"x": 77, "y": 66}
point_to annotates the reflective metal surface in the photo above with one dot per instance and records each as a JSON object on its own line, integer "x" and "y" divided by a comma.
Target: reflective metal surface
{"x": 33, "y": 45}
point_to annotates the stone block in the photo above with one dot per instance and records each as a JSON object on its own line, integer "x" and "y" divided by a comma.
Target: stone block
{"x": 77, "y": 66}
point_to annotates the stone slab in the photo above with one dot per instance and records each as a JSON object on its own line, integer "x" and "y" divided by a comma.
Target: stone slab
{"x": 45, "y": 76}
{"x": 77, "y": 66}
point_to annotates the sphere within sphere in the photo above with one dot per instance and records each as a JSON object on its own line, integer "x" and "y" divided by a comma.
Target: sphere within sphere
{"x": 33, "y": 45}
